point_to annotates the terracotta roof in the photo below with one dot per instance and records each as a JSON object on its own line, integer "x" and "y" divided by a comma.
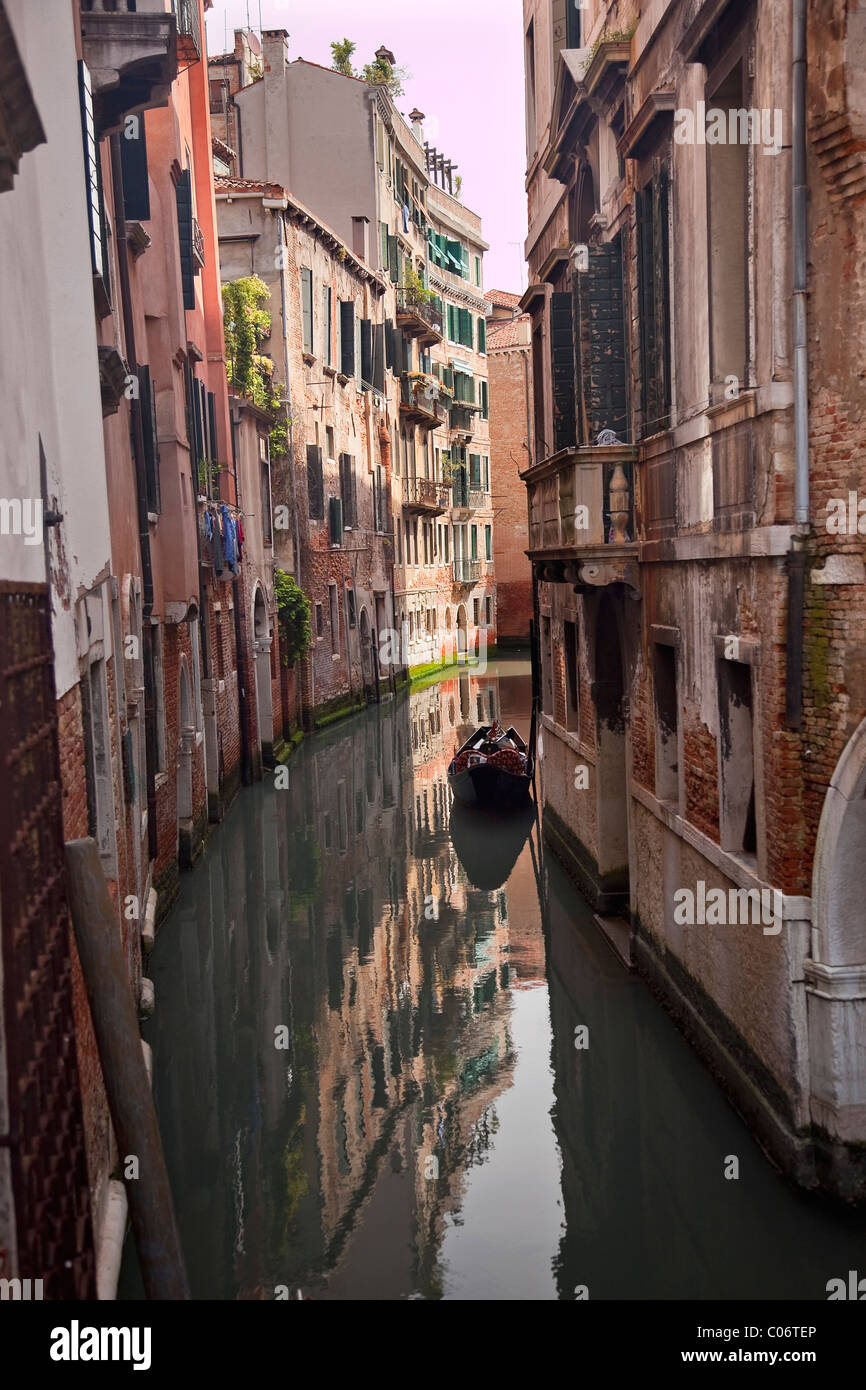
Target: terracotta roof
{"x": 220, "y": 147}
{"x": 224, "y": 184}
{"x": 503, "y": 298}
{"x": 506, "y": 334}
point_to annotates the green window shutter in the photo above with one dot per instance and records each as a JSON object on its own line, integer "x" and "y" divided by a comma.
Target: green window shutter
{"x": 488, "y": 543}
{"x": 347, "y": 337}
{"x": 133, "y": 161}
{"x": 482, "y": 335}
{"x": 393, "y": 259}
{"x": 384, "y": 244}
{"x": 335, "y": 520}
{"x": 464, "y": 262}
{"x": 367, "y": 352}
{"x": 307, "y": 307}
{"x": 485, "y": 403}
{"x": 474, "y": 531}
{"x": 183, "y": 197}
{"x": 378, "y": 378}
{"x": 315, "y": 483}
{"x": 475, "y": 472}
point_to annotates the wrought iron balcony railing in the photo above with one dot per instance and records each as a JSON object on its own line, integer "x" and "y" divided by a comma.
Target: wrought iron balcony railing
{"x": 425, "y": 494}
{"x": 418, "y": 317}
{"x": 466, "y": 571}
{"x": 188, "y": 30}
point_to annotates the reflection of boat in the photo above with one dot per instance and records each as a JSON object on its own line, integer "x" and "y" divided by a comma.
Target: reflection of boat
{"x": 488, "y": 846}
{"x": 493, "y": 768}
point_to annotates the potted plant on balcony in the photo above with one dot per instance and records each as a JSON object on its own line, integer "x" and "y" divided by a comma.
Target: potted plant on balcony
{"x": 415, "y": 292}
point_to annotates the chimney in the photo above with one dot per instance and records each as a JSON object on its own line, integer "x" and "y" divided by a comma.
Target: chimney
{"x": 275, "y": 51}
{"x": 417, "y": 119}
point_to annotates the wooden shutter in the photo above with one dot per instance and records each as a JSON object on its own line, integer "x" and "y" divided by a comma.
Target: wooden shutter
{"x": 482, "y": 335}
{"x": 347, "y": 337}
{"x": 562, "y": 363}
{"x": 335, "y": 520}
{"x": 399, "y": 353}
{"x": 327, "y": 325}
{"x": 389, "y": 346}
{"x": 378, "y": 378}
{"x": 366, "y": 352}
{"x": 211, "y": 425}
{"x": 393, "y": 263}
{"x": 485, "y": 401}
{"x": 315, "y": 483}
{"x": 307, "y": 307}
{"x": 91, "y": 168}
{"x": 466, "y": 334}
{"x": 183, "y": 195}
{"x": 147, "y": 397}
{"x": 347, "y": 490}
{"x": 475, "y": 472}
{"x": 133, "y": 163}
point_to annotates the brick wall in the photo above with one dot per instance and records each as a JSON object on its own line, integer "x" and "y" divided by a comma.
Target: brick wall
{"x": 510, "y": 393}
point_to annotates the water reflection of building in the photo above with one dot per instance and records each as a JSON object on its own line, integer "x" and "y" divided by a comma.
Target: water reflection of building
{"x": 337, "y": 912}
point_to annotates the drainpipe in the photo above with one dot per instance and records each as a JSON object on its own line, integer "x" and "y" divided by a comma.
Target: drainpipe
{"x": 799, "y": 218}
{"x": 141, "y": 490}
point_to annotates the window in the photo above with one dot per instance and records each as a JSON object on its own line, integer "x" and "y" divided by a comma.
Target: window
{"x": 727, "y": 179}
{"x": 667, "y": 756}
{"x": 653, "y": 302}
{"x": 97, "y": 733}
{"x": 737, "y": 758}
{"x": 488, "y": 543}
{"x": 329, "y": 441}
{"x": 475, "y": 472}
{"x": 159, "y": 687}
{"x": 541, "y": 449}
{"x": 488, "y": 611}
{"x": 485, "y": 467}
{"x": 347, "y": 337}
{"x": 147, "y": 398}
{"x": 485, "y": 401}
{"x": 307, "y": 308}
{"x": 350, "y": 606}
{"x": 315, "y": 483}
{"x": 327, "y": 326}
{"x": 93, "y": 172}
{"x": 474, "y": 534}
{"x": 320, "y": 623}
{"x": 531, "y": 140}
{"x": 335, "y": 618}
{"x": 335, "y": 520}
{"x": 546, "y": 668}
{"x": 265, "y": 484}
{"x": 478, "y": 271}
{"x": 571, "y": 675}
{"x": 562, "y": 370}
{"x": 602, "y": 378}
{"x": 476, "y": 611}
{"x": 399, "y": 543}
{"x": 482, "y": 335}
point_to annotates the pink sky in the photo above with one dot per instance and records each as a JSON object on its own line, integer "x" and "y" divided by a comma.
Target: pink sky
{"x": 466, "y": 61}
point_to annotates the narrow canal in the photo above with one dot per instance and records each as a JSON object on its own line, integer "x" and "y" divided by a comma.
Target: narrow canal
{"x": 365, "y": 1064}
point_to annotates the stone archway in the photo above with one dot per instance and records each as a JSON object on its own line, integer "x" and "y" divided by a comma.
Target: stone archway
{"x": 264, "y": 695}
{"x": 836, "y": 973}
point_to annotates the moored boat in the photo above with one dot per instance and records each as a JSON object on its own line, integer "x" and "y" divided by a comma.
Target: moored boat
{"x": 492, "y": 769}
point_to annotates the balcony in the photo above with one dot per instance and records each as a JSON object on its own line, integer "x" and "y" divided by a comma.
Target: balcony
{"x": 466, "y": 571}
{"x": 131, "y": 50}
{"x": 420, "y": 400}
{"x": 581, "y": 516}
{"x": 197, "y": 244}
{"x": 463, "y": 419}
{"x": 418, "y": 318}
{"x": 425, "y": 495}
{"x": 188, "y": 31}
{"x": 465, "y": 500}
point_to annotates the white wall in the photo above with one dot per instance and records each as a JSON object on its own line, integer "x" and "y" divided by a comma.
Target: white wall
{"x": 48, "y": 358}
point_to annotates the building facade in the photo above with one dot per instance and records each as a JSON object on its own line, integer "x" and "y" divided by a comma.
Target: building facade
{"x": 374, "y": 184}
{"x": 700, "y": 604}
{"x": 508, "y": 354}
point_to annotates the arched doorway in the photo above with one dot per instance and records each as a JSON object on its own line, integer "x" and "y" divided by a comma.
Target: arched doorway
{"x": 264, "y": 697}
{"x": 611, "y": 779}
{"x": 462, "y": 634}
{"x": 836, "y": 973}
{"x": 366, "y": 651}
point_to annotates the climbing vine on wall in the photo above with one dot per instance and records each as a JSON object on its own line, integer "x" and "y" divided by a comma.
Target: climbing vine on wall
{"x": 250, "y": 371}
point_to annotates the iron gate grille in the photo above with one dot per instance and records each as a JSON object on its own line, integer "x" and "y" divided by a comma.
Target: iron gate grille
{"x": 46, "y": 1130}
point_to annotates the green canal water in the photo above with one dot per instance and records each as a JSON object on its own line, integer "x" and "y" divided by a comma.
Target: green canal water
{"x": 365, "y": 1066}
